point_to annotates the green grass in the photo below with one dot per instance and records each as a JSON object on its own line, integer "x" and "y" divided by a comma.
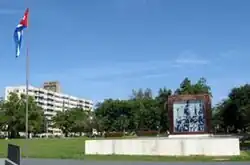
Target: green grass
{"x": 73, "y": 148}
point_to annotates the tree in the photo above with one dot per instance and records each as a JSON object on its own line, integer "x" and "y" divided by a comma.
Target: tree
{"x": 161, "y": 100}
{"x": 115, "y": 115}
{"x": 80, "y": 120}
{"x": 137, "y": 94}
{"x": 75, "y": 120}
{"x": 147, "y": 114}
{"x": 3, "y": 119}
{"x": 13, "y": 111}
{"x": 140, "y": 94}
{"x": 96, "y": 123}
{"x": 63, "y": 121}
{"x": 35, "y": 115}
{"x": 235, "y": 110}
{"x": 186, "y": 87}
{"x": 201, "y": 87}
{"x": 217, "y": 119}
{"x": 138, "y": 113}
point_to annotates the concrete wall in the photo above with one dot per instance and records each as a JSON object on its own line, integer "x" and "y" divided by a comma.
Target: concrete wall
{"x": 165, "y": 146}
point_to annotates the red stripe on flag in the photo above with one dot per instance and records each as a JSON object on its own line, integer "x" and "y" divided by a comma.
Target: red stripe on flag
{"x": 24, "y": 20}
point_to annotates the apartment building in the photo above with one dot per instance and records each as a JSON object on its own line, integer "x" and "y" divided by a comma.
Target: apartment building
{"x": 51, "y": 102}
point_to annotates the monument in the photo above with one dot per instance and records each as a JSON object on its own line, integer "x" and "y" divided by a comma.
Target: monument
{"x": 189, "y": 115}
{"x": 190, "y": 134}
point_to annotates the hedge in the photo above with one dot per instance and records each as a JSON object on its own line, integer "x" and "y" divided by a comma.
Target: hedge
{"x": 147, "y": 133}
{"x": 113, "y": 134}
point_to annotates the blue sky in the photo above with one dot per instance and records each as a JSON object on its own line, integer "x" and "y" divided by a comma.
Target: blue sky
{"x": 99, "y": 49}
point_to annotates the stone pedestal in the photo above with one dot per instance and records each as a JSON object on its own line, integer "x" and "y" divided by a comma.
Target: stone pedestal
{"x": 173, "y": 146}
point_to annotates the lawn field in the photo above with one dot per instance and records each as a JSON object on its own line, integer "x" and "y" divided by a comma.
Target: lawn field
{"x": 73, "y": 148}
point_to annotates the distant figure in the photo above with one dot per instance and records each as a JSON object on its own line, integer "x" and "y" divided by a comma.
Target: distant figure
{"x": 186, "y": 109}
{"x": 195, "y": 111}
{"x": 186, "y": 117}
{"x": 201, "y": 119}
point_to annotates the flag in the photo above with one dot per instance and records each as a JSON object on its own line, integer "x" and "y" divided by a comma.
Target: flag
{"x": 18, "y": 33}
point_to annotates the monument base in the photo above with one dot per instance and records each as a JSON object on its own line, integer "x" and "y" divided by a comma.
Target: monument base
{"x": 165, "y": 146}
{"x": 190, "y": 135}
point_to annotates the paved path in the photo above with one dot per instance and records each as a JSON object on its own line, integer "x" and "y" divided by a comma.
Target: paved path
{"x": 76, "y": 162}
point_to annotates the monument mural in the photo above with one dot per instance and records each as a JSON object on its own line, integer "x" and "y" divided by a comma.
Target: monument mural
{"x": 189, "y": 114}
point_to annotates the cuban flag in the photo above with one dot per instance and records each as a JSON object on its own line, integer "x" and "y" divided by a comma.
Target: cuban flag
{"x": 18, "y": 34}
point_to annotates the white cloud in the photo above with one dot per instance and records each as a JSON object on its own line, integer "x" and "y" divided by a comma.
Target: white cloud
{"x": 189, "y": 57}
{"x": 156, "y": 75}
{"x": 192, "y": 61}
{"x": 229, "y": 54}
{"x": 128, "y": 70}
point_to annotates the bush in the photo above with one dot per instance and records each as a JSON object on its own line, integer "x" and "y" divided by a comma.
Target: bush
{"x": 113, "y": 134}
{"x": 146, "y": 133}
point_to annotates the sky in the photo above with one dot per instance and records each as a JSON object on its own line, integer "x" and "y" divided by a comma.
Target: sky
{"x": 103, "y": 49}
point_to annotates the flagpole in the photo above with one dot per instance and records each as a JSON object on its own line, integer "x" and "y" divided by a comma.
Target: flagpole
{"x": 27, "y": 102}
{"x": 27, "y": 93}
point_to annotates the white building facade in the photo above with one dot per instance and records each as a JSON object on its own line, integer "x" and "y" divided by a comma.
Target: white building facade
{"x": 51, "y": 102}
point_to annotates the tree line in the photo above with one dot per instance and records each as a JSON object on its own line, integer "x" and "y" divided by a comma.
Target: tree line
{"x": 141, "y": 112}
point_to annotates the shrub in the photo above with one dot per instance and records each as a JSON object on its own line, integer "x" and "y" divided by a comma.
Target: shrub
{"x": 113, "y": 134}
{"x": 146, "y": 133}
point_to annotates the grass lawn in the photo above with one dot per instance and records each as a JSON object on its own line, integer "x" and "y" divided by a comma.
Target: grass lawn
{"x": 73, "y": 148}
